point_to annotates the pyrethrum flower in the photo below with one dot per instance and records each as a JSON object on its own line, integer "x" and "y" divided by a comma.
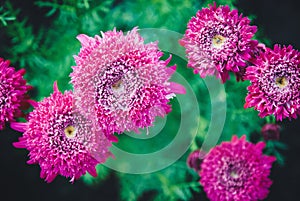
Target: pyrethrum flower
{"x": 195, "y": 159}
{"x": 218, "y": 40}
{"x": 121, "y": 82}
{"x": 13, "y": 91}
{"x": 236, "y": 170}
{"x": 61, "y": 140}
{"x": 275, "y": 83}
{"x": 270, "y": 132}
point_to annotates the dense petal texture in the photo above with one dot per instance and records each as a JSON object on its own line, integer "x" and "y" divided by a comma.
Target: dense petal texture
{"x": 275, "y": 83}
{"x": 121, "y": 82}
{"x": 236, "y": 170}
{"x": 13, "y": 91}
{"x": 61, "y": 140}
{"x": 217, "y": 41}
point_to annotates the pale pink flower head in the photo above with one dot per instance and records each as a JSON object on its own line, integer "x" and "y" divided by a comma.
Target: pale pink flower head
{"x": 236, "y": 170}
{"x": 275, "y": 83}
{"x": 13, "y": 91}
{"x": 121, "y": 82}
{"x": 217, "y": 41}
{"x": 61, "y": 140}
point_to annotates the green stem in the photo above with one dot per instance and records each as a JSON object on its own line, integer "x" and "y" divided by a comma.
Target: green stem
{"x": 270, "y": 119}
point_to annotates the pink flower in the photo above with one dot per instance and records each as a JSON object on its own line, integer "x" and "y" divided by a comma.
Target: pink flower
{"x": 13, "y": 91}
{"x": 195, "y": 159}
{"x": 270, "y": 132}
{"x": 275, "y": 83}
{"x": 236, "y": 170}
{"x": 121, "y": 82}
{"x": 61, "y": 140}
{"x": 217, "y": 41}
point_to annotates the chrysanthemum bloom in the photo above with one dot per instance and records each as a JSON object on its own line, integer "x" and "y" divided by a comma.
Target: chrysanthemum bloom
{"x": 270, "y": 132}
{"x": 13, "y": 91}
{"x": 275, "y": 83}
{"x": 121, "y": 82}
{"x": 236, "y": 170}
{"x": 60, "y": 140}
{"x": 195, "y": 159}
{"x": 218, "y": 40}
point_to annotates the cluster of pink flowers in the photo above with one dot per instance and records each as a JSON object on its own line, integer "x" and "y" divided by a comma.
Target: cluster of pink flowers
{"x": 218, "y": 41}
{"x": 120, "y": 84}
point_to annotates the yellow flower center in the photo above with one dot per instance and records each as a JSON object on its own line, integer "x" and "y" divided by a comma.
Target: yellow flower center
{"x": 218, "y": 41}
{"x": 281, "y": 82}
{"x": 234, "y": 175}
{"x": 117, "y": 85}
{"x": 70, "y": 132}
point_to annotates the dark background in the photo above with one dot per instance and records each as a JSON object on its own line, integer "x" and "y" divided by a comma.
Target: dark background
{"x": 280, "y": 21}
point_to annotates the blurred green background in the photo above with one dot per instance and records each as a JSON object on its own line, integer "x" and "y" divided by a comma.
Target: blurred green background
{"x": 40, "y": 36}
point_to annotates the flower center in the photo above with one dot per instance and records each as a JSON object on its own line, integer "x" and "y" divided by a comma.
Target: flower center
{"x": 218, "y": 41}
{"x": 70, "y": 132}
{"x": 281, "y": 82}
{"x": 234, "y": 174}
{"x": 117, "y": 86}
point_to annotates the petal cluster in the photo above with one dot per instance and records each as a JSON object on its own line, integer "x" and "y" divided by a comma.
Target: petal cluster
{"x": 275, "y": 83}
{"x": 218, "y": 41}
{"x": 121, "y": 82}
{"x": 195, "y": 158}
{"x": 61, "y": 140}
{"x": 271, "y": 132}
{"x": 236, "y": 170}
{"x": 13, "y": 91}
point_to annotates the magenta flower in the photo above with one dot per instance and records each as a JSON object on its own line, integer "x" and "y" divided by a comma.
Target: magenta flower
{"x": 217, "y": 41}
{"x": 13, "y": 91}
{"x": 60, "y": 140}
{"x": 121, "y": 82}
{"x": 195, "y": 159}
{"x": 236, "y": 170}
{"x": 270, "y": 132}
{"x": 275, "y": 83}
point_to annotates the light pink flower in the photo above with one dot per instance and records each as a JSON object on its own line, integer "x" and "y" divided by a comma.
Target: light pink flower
{"x": 121, "y": 82}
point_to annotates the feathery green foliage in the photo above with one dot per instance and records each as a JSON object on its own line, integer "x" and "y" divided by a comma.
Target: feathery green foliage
{"x": 5, "y": 16}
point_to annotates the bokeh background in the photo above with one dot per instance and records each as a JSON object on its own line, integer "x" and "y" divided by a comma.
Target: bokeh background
{"x": 41, "y": 39}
